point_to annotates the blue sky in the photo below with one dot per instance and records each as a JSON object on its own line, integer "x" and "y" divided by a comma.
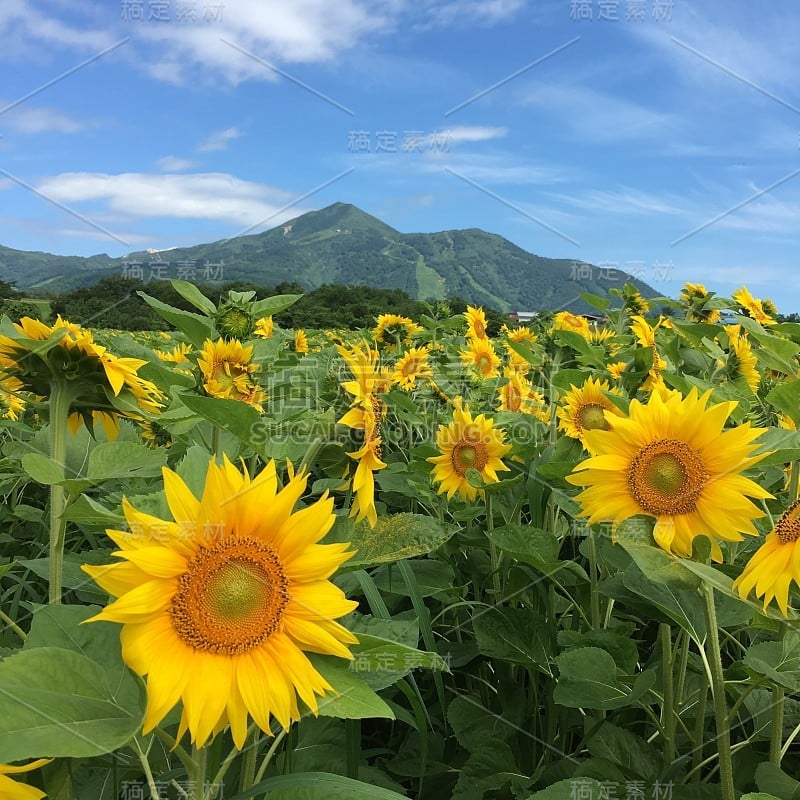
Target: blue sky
{"x": 654, "y": 136}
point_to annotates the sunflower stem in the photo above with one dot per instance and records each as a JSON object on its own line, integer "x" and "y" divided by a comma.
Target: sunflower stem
{"x": 718, "y": 693}
{"x": 776, "y": 734}
{"x": 13, "y": 625}
{"x": 279, "y": 737}
{"x": 594, "y": 598}
{"x": 249, "y": 757}
{"x": 668, "y": 709}
{"x": 197, "y": 781}
{"x": 148, "y": 772}
{"x": 60, "y": 399}
{"x": 493, "y": 554}
{"x": 700, "y": 727}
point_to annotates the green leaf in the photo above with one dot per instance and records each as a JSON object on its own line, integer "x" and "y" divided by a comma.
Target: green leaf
{"x": 778, "y": 661}
{"x": 125, "y": 460}
{"x": 392, "y": 539}
{"x": 632, "y": 754}
{"x": 515, "y": 635}
{"x": 234, "y": 416}
{"x": 353, "y": 698}
{"x": 317, "y": 786}
{"x": 57, "y": 702}
{"x": 60, "y": 626}
{"x": 786, "y": 398}
{"x": 196, "y": 328}
{"x": 381, "y": 662}
{"x": 773, "y": 780}
{"x": 588, "y": 679}
{"x": 566, "y": 790}
{"x": 188, "y": 291}
{"x": 473, "y": 726}
{"x": 84, "y": 509}
{"x": 274, "y": 305}
{"x": 42, "y": 469}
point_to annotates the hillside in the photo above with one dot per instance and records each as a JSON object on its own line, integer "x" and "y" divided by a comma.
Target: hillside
{"x": 342, "y": 244}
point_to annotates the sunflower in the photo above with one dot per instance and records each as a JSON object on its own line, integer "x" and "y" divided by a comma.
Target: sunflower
{"x": 219, "y": 605}
{"x": 365, "y": 415}
{"x": 414, "y": 364}
{"x": 583, "y": 409}
{"x": 564, "y": 321}
{"x": 476, "y": 322}
{"x": 11, "y": 404}
{"x": 11, "y": 790}
{"x": 670, "y": 459}
{"x": 521, "y": 335}
{"x": 518, "y": 395}
{"x": 616, "y": 369}
{"x": 742, "y": 356}
{"x": 71, "y": 359}
{"x": 752, "y": 307}
{"x": 776, "y": 563}
{"x": 694, "y": 298}
{"x": 467, "y": 444}
{"x": 391, "y": 329}
{"x": 600, "y": 335}
{"x": 264, "y": 327}
{"x": 645, "y": 335}
{"x": 480, "y": 355}
{"x": 300, "y": 343}
{"x": 178, "y": 355}
{"x": 227, "y": 371}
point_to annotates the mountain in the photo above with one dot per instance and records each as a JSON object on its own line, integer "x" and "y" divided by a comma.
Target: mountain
{"x": 342, "y": 244}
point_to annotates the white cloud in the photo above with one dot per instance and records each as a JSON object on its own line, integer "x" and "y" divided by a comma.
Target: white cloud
{"x": 470, "y": 133}
{"x": 303, "y": 31}
{"x": 204, "y": 196}
{"x": 219, "y": 140}
{"x": 22, "y": 24}
{"x": 174, "y": 164}
{"x": 626, "y": 201}
{"x": 27, "y": 119}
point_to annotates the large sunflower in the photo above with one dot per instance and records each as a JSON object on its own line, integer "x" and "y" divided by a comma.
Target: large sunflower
{"x": 670, "y": 459}
{"x": 476, "y": 322}
{"x": 564, "y": 321}
{"x": 90, "y": 374}
{"x": 11, "y": 790}
{"x": 583, "y": 407}
{"x": 412, "y": 365}
{"x": 742, "y": 358}
{"x": 365, "y": 414}
{"x": 480, "y": 355}
{"x": 219, "y": 605}
{"x": 752, "y": 307}
{"x": 227, "y": 370}
{"x": 392, "y": 328}
{"x": 518, "y": 395}
{"x": 776, "y": 563}
{"x": 464, "y": 444}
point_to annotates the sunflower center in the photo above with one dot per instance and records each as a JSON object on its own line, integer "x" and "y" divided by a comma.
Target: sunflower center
{"x": 788, "y": 526}
{"x": 484, "y": 363}
{"x": 480, "y": 331}
{"x": 591, "y": 417}
{"x": 469, "y": 454}
{"x": 667, "y": 477}
{"x": 231, "y": 598}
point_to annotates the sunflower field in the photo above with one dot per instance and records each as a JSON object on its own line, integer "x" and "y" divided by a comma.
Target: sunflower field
{"x": 414, "y": 561}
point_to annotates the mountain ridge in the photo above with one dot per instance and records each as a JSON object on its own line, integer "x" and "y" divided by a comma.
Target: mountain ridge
{"x": 343, "y": 244}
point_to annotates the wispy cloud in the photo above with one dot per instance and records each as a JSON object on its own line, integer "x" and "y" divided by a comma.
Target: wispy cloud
{"x": 205, "y": 196}
{"x": 599, "y": 116}
{"x": 219, "y": 140}
{"x": 174, "y": 164}
{"x": 27, "y": 119}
